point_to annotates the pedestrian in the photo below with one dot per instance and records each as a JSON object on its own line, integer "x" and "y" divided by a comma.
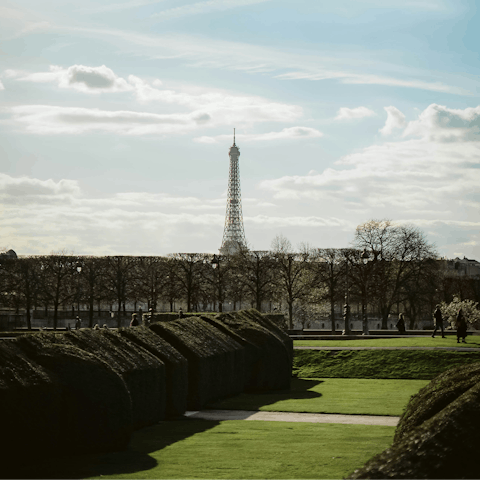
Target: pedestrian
{"x": 134, "y": 322}
{"x": 401, "y": 324}
{"x": 461, "y": 325}
{"x": 78, "y": 323}
{"x": 437, "y": 315}
{"x": 180, "y": 313}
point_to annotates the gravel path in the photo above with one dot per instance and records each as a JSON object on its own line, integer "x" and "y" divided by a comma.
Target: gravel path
{"x": 454, "y": 349}
{"x": 294, "y": 417}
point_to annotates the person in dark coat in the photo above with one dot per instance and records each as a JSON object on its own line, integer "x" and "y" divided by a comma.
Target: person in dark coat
{"x": 437, "y": 315}
{"x": 401, "y": 324}
{"x": 180, "y": 313}
{"x": 134, "y": 322}
{"x": 461, "y": 325}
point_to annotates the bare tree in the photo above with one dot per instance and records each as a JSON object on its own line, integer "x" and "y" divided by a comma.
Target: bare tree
{"x": 328, "y": 268}
{"x": 257, "y": 269}
{"x": 188, "y": 266}
{"x": 396, "y": 250}
{"x": 292, "y": 270}
{"x": 56, "y": 275}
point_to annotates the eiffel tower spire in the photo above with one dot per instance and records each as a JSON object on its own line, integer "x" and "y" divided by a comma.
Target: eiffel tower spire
{"x": 233, "y": 232}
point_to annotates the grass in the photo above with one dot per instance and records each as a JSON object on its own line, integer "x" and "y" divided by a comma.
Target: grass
{"x": 331, "y": 395}
{"x": 438, "y": 341}
{"x": 399, "y": 364}
{"x": 231, "y": 449}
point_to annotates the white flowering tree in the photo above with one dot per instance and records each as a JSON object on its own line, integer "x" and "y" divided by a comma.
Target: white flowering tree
{"x": 470, "y": 311}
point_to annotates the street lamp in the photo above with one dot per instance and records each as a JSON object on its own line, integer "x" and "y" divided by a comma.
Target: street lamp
{"x": 216, "y": 265}
{"x": 78, "y": 267}
{"x": 346, "y": 307}
{"x": 365, "y": 257}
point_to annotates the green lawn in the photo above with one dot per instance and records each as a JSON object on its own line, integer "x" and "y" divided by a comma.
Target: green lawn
{"x": 400, "y": 364}
{"x": 331, "y": 395}
{"x": 438, "y": 341}
{"x": 231, "y": 449}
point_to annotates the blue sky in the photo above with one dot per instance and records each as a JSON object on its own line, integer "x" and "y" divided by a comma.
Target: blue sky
{"x": 116, "y": 119}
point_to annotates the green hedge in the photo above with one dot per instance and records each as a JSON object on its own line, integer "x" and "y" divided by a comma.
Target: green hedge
{"x": 445, "y": 443}
{"x": 268, "y": 364}
{"x": 96, "y": 411}
{"x": 176, "y": 366}
{"x": 30, "y": 399}
{"x": 437, "y": 395}
{"x": 215, "y": 360}
{"x": 143, "y": 373}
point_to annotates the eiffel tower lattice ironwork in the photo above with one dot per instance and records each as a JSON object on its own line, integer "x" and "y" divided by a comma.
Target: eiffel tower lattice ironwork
{"x": 233, "y": 232}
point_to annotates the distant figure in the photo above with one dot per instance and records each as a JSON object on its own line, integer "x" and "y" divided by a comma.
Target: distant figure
{"x": 134, "y": 322}
{"x": 96, "y": 327}
{"x": 461, "y": 325}
{"x": 437, "y": 315}
{"x": 401, "y": 324}
{"x": 365, "y": 325}
{"x": 105, "y": 326}
{"x": 140, "y": 314}
{"x": 78, "y": 323}
{"x": 180, "y": 313}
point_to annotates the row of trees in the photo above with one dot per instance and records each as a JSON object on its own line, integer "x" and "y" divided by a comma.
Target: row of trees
{"x": 387, "y": 265}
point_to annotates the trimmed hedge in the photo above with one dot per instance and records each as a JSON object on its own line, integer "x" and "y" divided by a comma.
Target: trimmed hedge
{"x": 437, "y": 395}
{"x": 30, "y": 398}
{"x": 143, "y": 373}
{"x": 95, "y": 413}
{"x": 435, "y": 445}
{"x": 268, "y": 364}
{"x": 215, "y": 360}
{"x": 176, "y": 367}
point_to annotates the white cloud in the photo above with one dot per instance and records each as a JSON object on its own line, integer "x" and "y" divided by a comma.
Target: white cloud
{"x": 201, "y": 52}
{"x": 395, "y": 119}
{"x": 427, "y": 177}
{"x": 203, "y": 7}
{"x": 26, "y": 187}
{"x": 345, "y": 113}
{"x": 286, "y": 133}
{"x": 82, "y": 78}
{"x": 48, "y": 119}
{"x": 444, "y": 124}
{"x": 1, "y": 86}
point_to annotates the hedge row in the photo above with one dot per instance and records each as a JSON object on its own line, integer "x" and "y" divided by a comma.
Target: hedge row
{"x": 439, "y": 433}
{"x": 87, "y": 390}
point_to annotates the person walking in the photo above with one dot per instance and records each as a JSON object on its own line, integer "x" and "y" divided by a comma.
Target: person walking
{"x": 437, "y": 315}
{"x": 401, "y": 324}
{"x": 78, "y": 323}
{"x": 461, "y": 325}
{"x": 134, "y": 322}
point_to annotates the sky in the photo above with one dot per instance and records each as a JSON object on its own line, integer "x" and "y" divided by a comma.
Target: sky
{"x": 116, "y": 119}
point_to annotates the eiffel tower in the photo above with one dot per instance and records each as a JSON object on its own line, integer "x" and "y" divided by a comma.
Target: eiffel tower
{"x": 233, "y": 233}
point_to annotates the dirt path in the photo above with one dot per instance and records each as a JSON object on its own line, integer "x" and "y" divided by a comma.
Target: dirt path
{"x": 454, "y": 349}
{"x": 294, "y": 417}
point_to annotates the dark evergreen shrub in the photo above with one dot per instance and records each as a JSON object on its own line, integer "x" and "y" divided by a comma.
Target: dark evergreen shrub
{"x": 267, "y": 354}
{"x": 96, "y": 411}
{"x": 176, "y": 367}
{"x": 434, "y": 397}
{"x": 215, "y": 360}
{"x": 445, "y": 446}
{"x": 143, "y": 373}
{"x": 30, "y": 399}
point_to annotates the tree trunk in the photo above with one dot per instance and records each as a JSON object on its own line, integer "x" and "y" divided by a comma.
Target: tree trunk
{"x": 290, "y": 315}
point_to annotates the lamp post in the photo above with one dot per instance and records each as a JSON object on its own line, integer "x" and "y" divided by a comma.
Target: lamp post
{"x": 216, "y": 267}
{"x": 346, "y": 307}
{"x": 78, "y": 267}
{"x": 365, "y": 257}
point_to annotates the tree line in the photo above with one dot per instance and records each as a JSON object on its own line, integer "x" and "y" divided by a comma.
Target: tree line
{"x": 387, "y": 266}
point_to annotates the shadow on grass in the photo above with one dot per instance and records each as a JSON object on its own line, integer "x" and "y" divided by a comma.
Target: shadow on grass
{"x": 134, "y": 460}
{"x": 300, "y": 390}
{"x": 137, "y": 458}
